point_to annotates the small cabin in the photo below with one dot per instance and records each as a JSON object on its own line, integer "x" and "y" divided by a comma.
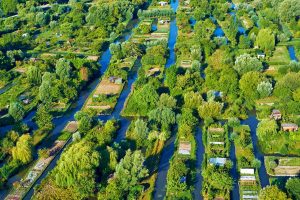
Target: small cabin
{"x": 261, "y": 55}
{"x": 186, "y": 63}
{"x": 248, "y": 180}
{"x": 185, "y": 148}
{"x": 212, "y": 129}
{"x": 115, "y": 80}
{"x": 276, "y": 114}
{"x": 164, "y": 21}
{"x": 249, "y": 171}
{"x": 163, "y": 3}
{"x": 218, "y": 161}
{"x": 289, "y": 127}
{"x": 153, "y": 71}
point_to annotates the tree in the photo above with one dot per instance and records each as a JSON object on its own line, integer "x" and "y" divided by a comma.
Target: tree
{"x": 42, "y": 18}
{"x": 264, "y": 89}
{"x": 143, "y": 100}
{"x": 166, "y": 100}
{"x": 265, "y": 40}
{"x": 204, "y": 29}
{"x": 76, "y": 168}
{"x": 9, "y": 6}
{"x": 23, "y": 149}
{"x": 192, "y": 100}
{"x": 266, "y": 128}
{"x": 289, "y": 10}
{"x": 164, "y": 116}
{"x": 34, "y": 75}
{"x": 293, "y": 187}
{"x": 256, "y": 163}
{"x": 63, "y": 69}
{"x": 171, "y": 76}
{"x": 46, "y": 88}
{"x": 210, "y": 109}
{"x": 85, "y": 121}
{"x": 271, "y": 193}
{"x": 248, "y": 85}
{"x": 130, "y": 170}
{"x": 176, "y": 187}
{"x": 5, "y": 62}
{"x": 44, "y": 118}
{"x": 244, "y": 42}
{"x": 141, "y": 132}
{"x": 17, "y": 111}
{"x": 246, "y": 63}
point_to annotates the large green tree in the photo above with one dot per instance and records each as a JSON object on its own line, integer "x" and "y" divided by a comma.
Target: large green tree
{"x": 271, "y": 193}
{"x": 141, "y": 132}
{"x": 23, "y": 150}
{"x": 63, "y": 69}
{"x": 289, "y": 10}
{"x": 34, "y": 75}
{"x": 293, "y": 187}
{"x": 246, "y": 63}
{"x": 9, "y": 6}
{"x": 17, "y": 111}
{"x": 210, "y": 109}
{"x": 44, "y": 118}
{"x": 265, "y": 40}
{"x": 76, "y": 169}
{"x": 163, "y": 116}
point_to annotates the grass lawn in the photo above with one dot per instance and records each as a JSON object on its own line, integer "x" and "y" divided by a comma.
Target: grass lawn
{"x": 280, "y": 57}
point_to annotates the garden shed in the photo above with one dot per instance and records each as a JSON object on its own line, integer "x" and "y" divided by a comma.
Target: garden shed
{"x": 217, "y": 161}
{"x": 185, "y": 148}
{"x": 247, "y": 180}
{"x": 163, "y": 3}
{"x": 261, "y": 55}
{"x": 247, "y": 171}
{"x": 115, "y": 80}
{"x": 289, "y": 127}
{"x": 211, "y": 129}
{"x": 276, "y": 114}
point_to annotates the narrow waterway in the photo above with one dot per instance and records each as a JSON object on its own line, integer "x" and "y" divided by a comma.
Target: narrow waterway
{"x": 168, "y": 150}
{"x": 161, "y": 179}
{"x": 171, "y": 43}
{"x": 252, "y": 123}
{"x": 235, "y": 193}
{"x": 199, "y": 155}
{"x": 292, "y": 53}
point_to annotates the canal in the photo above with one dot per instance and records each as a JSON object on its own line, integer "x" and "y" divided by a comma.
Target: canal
{"x": 252, "y": 122}
{"x": 168, "y": 150}
{"x": 199, "y": 155}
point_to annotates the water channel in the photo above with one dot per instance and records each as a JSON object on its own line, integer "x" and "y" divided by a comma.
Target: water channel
{"x": 235, "y": 193}
{"x": 252, "y": 123}
{"x": 199, "y": 155}
{"x": 292, "y": 53}
{"x": 168, "y": 150}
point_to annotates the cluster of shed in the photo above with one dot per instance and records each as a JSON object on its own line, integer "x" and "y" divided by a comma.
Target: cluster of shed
{"x": 290, "y": 127}
{"x": 248, "y": 178}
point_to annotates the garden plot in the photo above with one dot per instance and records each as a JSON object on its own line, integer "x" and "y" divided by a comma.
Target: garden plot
{"x": 249, "y": 179}
{"x": 280, "y": 58}
{"x": 105, "y": 96}
{"x": 216, "y": 142}
{"x": 282, "y": 166}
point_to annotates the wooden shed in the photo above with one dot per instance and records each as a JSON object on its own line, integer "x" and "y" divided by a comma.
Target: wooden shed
{"x": 289, "y": 127}
{"x": 276, "y": 114}
{"x": 185, "y": 148}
